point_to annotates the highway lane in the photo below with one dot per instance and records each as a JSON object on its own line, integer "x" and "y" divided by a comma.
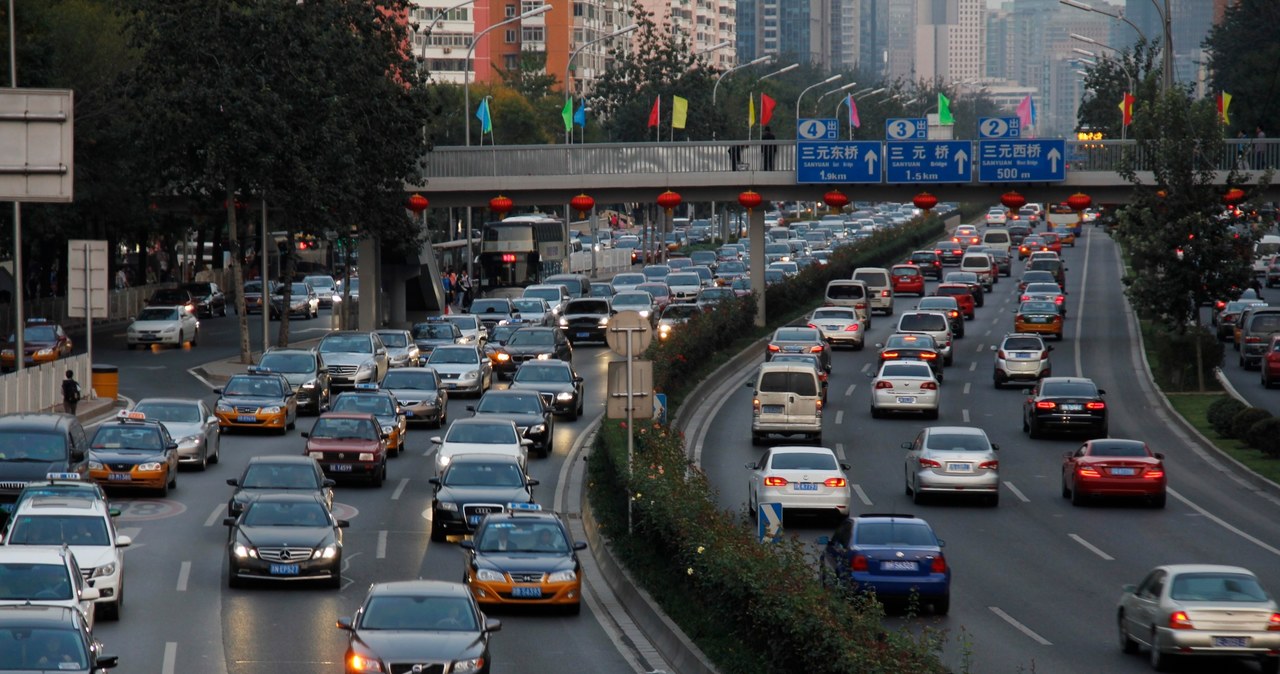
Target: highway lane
{"x": 179, "y": 616}
{"x": 1035, "y": 580}
{"x": 1247, "y": 382}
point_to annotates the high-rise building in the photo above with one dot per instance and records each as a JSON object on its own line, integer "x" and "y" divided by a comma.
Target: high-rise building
{"x": 797, "y": 30}
{"x": 949, "y": 40}
{"x": 1189, "y": 21}
{"x": 704, "y": 23}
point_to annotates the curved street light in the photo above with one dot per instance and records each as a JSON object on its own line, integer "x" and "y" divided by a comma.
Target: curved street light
{"x": 809, "y": 88}
{"x": 1166, "y": 20}
{"x": 787, "y": 69}
{"x": 568, "y": 90}
{"x": 756, "y": 62}
{"x": 713, "y": 47}
{"x": 466, "y": 71}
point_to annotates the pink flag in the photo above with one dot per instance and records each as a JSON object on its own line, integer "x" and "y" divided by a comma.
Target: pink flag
{"x": 853, "y": 113}
{"x": 1027, "y": 112}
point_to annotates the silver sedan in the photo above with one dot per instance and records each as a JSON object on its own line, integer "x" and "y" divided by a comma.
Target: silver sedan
{"x": 191, "y": 424}
{"x": 840, "y": 326}
{"x": 462, "y": 368}
{"x": 952, "y": 460}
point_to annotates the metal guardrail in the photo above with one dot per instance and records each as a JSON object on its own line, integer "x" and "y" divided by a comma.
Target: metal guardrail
{"x": 33, "y": 389}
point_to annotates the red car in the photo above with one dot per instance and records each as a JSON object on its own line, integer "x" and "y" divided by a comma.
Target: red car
{"x": 349, "y": 445}
{"x": 1052, "y": 242}
{"x": 963, "y": 294}
{"x": 1271, "y": 363}
{"x": 907, "y": 279}
{"x": 1114, "y": 467}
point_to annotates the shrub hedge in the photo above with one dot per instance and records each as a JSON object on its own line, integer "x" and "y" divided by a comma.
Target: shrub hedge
{"x": 1174, "y": 357}
{"x": 1221, "y": 412}
{"x": 1265, "y": 436}
{"x": 1245, "y": 419}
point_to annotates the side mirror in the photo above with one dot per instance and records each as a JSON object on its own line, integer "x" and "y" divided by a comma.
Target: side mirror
{"x": 579, "y": 545}
{"x": 906, "y": 445}
{"x": 1049, "y": 347}
{"x": 492, "y": 625}
{"x": 328, "y": 483}
{"x": 1159, "y": 455}
{"x": 942, "y": 543}
{"x": 106, "y": 661}
{"x": 471, "y": 409}
{"x": 344, "y": 623}
{"x": 211, "y": 420}
{"x": 123, "y": 541}
{"x": 748, "y": 384}
{"x": 577, "y": 379}
{"x": 233, "y": 482}
{"x": 305, "y": 434}
{"x": 994, "y": 347}
{"x": 532, "y": 482}
{"x": 172, "y": 446}
{"x": 1026, "y": 391}
{"x": 467, "y": 545}
{"x": 89, "y": 594}
{"x": 228, "y": 521}
{"x": 526, "y": 442}
{"x": 77, "y": 455}
{"x": 113, "y": 511}
{"x": 218, "y": 391}
{"x": 994, "y": 446}
{"x": 751, "y": 466}
{"x": 1102, "y": 392}
{"x": 1068, "y": 455}
{"x": 343, "y": 524}
{"x": 1129, "y": 589}
{"x": 845, "y": 466}
{"x": 434, "y": 480}
{"x": 436, "y": 440}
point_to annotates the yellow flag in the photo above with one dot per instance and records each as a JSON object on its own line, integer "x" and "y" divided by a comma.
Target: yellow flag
{"x": 679, "y": 112}
{"x": 751, "y": 111}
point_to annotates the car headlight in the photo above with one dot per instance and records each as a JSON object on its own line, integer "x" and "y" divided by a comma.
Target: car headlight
{"x": 469, "y": 665}
{"x": 388, "y": 429}
{"x": 240, "y": 550}
{"x": 465, "y": 339}
{"x": 363, "y": 663}
{"x": 502, "y": 356}
{"x": 224, "y": 408}
{"x": 538, "y": 429}
{"x": 327, "y": 552}
{"x": 489, "y": 575}
{"x": 365, "y": 367}
{"x": 604, "y": 322}
{"x": 310, "y": 384}
{"x": 150, "y": 465}
{"x": 644, "y": 313}
{"x": 565, "y": 395}
{"x": 442, "y": 459}
{"x": 274, "y": 409}
{"x": 471, "y": 374}
{"x": 544, "y": 356}
{"x": 168, "y": 331}
{"x": 108, "y": 569}
{"x": 95, "y": 465}
{"x": 45, "y": 352}
{"x": 447, "y": 505}
{"x": 191, "y": 440}
{"x": 563, "y": 576}
{"x": 564, "y": 322}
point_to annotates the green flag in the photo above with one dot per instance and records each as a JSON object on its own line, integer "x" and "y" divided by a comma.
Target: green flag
{"x": 944, "y": 111}
{"x": 567, "y": 113}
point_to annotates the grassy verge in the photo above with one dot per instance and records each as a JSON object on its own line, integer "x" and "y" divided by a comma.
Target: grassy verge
{"x": 1193, "y": 406}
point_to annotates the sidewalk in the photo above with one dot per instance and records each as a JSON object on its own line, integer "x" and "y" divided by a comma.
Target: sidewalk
{"x": 93, "y": 410}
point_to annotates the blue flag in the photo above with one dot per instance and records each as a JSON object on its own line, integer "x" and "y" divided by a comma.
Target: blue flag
{"x": 486, "y": 123}
{"x": 580, "y": 115}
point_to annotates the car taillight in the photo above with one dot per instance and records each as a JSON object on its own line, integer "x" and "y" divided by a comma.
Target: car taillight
{"x": 884, "y": 384}
{"x": 1059, "y": 299}
{"x": 775, "y": 481}
{"x": 939, "y": 565}
{"x": 929, "y": 386}
{"x": 1046, "y": 405}
{"x": 755, "y": 407}
{"x": 835, "y": 482}
{"x": 1095, "y": 405}
{"x": 1273, "y": 625}
{"x": 852, "y": 327}
{"x": 816, "y": 349}
{"x": 858, "y": 563}
{"x": 1252, "y": 340}
{"x": 937, "y": 252}
{"x": 1219, "y": 305}
{"x": 1044, "y": 355}
{"x": 813, "y": 326}
{"x": 1154, "y": 473}
{"x": 928, "y": 355}
{"x": 1024, "y": 298}
{"x": 1178, "y": 620}
{"x": 817, "y": 405}
{"x": 929, "y": 463}
{"x": 1087, "y": 471}
{"x": 774, "y": 348}
{"x": 888, "y": 355}
{"x": 1001, "y": 354}
{"x": 884, "y": 293}
{"x": 990, "y": 465}
{"x": 954, "y": 314}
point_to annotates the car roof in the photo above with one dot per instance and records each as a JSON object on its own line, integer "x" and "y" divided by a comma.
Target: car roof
{"x": 423, "y": 588}
{"x": 282, "y": 459}
{"x": 62, "y": 505}
{"x": 38, "y": 615}
{"x": 367, "y": 416}
{"x": 1065, "y": 380}
{"x": 289, "y": 497}
{"x": 484, "y": 420}
{"x": 801, "y": 449}
{"x": 483, "y": 457}
{"x": 36, "y": 421}
{"x": 955, "y": 430}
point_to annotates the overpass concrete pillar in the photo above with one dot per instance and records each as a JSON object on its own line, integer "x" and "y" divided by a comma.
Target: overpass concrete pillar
{"x": 397, "y": 300}
{"x": 755, "y": 230}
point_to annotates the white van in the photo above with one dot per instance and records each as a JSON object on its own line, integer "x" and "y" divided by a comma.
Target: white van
{"x": 879, "y": 287}
{"x": 1263, "y": 250}
{"x": 852, "y": 295}
{"x": 980, "y": 264}
{"x": 787, "y": 401}
{"x": 997, "y": 238}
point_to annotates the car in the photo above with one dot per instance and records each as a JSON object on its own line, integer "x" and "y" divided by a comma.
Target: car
{"x": 382, "y": 404}
{"x": 840, "y": 326}
{"x": 63, "y": 485}
{"x": 192, "y": 425}
{"x": 50, "y": 639}
{"x": 949, "y": 252}
{"x": 676, "y": 315}
{"x": 209, "y": 299}
{"x": 1052, "y": 265}
{"x": 1030, "y": 213}
{"x": 802, "y": 479}
{"x": 472, "y": 487}
{"x": 997, "y": 216}
{"x": 957, "y": 460}
{"x": 536, "y": 311}
{"x": 498, "y": 338}
{"x": 948, "y": 305}
{"x": 896, "y": 557}
{"x": 302, "y": 302}
{"x": 1227, "y": 317}
{"x": 554, "y": 294}
{"x": 585, "y": 319}
{"x": 704, "y": 258}
{"x": 325, "y": 287}
{"x": 963, "y": 294}
{"x": 934, "y": 323}
{"x": 285, "y": 537}
{"x": 1199, "y": 612}
{"x": 402, "y": 351}
{"x": 531, "y": 343}
{"x": 1017, "y": 233}
{"x": 353, "y": 357}
{"x": 480, "y": 435}
{"x": 598, "y": 289}
{"x": 527, "y": 409}
{"x": 87, "y": 528}
{"x": 473, "y": 331}
{"x": 625, "y": 281}
{"x": 556, "y": 381}
{"x": 160, "y": 325}
{"x": 420, "y": 393}
{"x": 659, "y": 291}
{"x": 401, "y": 625}
{"x": 1256, "y": 328}
{"x": 810, "y": 360}
{"x": 349, "y": 444}
{"x": 966, "y": 235}
{"x": 1030, "y": 244}
{"x": 684, "y": 286}
{"x": 1054, "y": 241}
{"x": 741, "y": 286}
{"x": 1003, "y": 260}
{"x": 904, "y": 386}
{"x": 1045, "y": 292}
{"x": 134, "y": 452}
{"x": 1041, "y": 316}
{"x": 1036, "y": 276}
{"x": 1114, "y": 467}
{"x": 1237, "y": 334}
{"x": 730, "y": 270}
{"x": 919, "y": 346}
{"x": 305, "y": 371}
{"x": 493, "y": 310}
{"x": 929, "y": 262}
{"x": 33, "y": 575}
{"x": 907, "y": 279}
{"x": 462, "y": 368}
{"x": 710, "y": 298}
{"x": 349, "y": 289}
{"x": 791, "y": 339}
{"x": 976, "y": 287}
{"x": 1064, "y": 404}
{"x": 433, "y": 333}
{"x": 1020, "y": 357}
{"x": 788, "y": 269}
{"x": 271, "y": 474}
{"x": 654, "y": 273}
{"x": 981, "y": 265}
{"x": 638, "y": 301}
{"x": 524, "y": 556}
{"x": 253, "y": 295}
{"x": 256, "y": 399}
{"x": 173, "y": 297}
{"x": 42, "y": 342}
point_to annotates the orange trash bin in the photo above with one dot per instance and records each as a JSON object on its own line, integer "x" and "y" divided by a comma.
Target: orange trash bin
{"x": 106, "y": 381}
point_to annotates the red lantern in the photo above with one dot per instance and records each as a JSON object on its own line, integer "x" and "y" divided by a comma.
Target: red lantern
{"x": 1233, "y": 196}
{"x": 835, "y": 199}
{"x": 1079, "y": 201}
{"x": 1161, "y": 194}
{"x": 418, "y": 203}
{"x": 1012, "y": 200}
{"x": 925, "y": 201}
{"x": 500, "y": 205}
{"x": 749, "y": 200}
{"x": 669, "y": 200}
{"x": 582, "y": 204}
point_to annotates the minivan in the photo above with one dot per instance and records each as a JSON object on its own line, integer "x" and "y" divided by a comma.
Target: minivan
{"x": 578, "y": 284}
{"x": 1255, "y": 334}
{"x": 982, "y": 265}
{"x": 997, "y": 238}
{"x": 934, "y": 323}
{"x": 787, "y": 401}
{"x": 37, "y": 444}
{"x": 879, "y": 287}
{"x": 851, "y": 294}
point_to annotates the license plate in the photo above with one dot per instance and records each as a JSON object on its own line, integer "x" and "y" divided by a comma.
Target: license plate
{"x": 148, "y": 338}
{"x": 473, "y": 520}
{"x": 897, "y": 566}
{"x": 771, "y": 409}
{"x": 1124, "y": 471}
{"x": 906, "y": 399}
{"x": 959, "y": 467}
{"x": 831, "y": 327}
{"x": 526, "y": 592}
{"x": 1072, "y": 407}
{"x": 246, "y": 419}
{"x": 791, "y": 349}
{"x": 804, "y": 486}
{"x": 284, "y": 569}
{"x": 1040, "y": 319}
{"x": 119, "y": 477}
{"x": 408, "y": 413}
{"x": 583, "y": 334}
{"x": 450, "y": 385}
{"x": 1022, "y": 356}
{"x": 340, "y": 467}
{"x": 1231, "y": 642}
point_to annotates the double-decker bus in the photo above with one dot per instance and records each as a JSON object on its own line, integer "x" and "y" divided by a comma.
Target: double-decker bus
{"x": 521, "y": 250}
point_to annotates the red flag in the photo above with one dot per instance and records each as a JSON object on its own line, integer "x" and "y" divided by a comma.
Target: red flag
{"x": 656, "y": 112}
{"x": 1126, "y": 109}
{"x": 766, "y": 108}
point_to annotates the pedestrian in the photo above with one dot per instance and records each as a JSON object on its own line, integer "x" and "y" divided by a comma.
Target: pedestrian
{"x": 768, "y": 150}
{"x": 464, "y": 299}
{"x": 122, "y": 279}
{"x": 70, "y": 393}
{"x": 735, "y": 157}
{"x": 448, "y": 290}
{"x": 1260, "y": 149}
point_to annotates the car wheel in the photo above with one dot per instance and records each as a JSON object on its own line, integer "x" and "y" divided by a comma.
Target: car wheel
{"x": 916, "y": 496}
{"x": 875, "y": 413}
{"x": 334, "y": 581}
{"x": 163, "y": 490}
{"x": 757, "y": 439}
{"x": 204, "y": 460}
{"x": 1161, "y": 662}
{"x": 438, "y": 534}
{"x": 379, "y": 476}
{"x": 753, "y": 508}
{"x": 1269, "y": 665}
{"x": 217, "y": 454}
{"x": 1158, "y": 501}
{"x": 1127, "y": 644}
{"x": 1066, "y": 491}
{"x": 931, "y": 414}
{"x": 1077, "y": 498}
{"x": 195, "y": 337}
{"x": 942, "y": 605}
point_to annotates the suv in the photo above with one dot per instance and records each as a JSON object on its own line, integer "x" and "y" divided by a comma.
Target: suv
{"x": 45, "y": 576}
{"x": 33, "y": 444}
{"x": 935, "y": 323}
{"x": 1255, "y": 333}
{"x": 1021, "y": 356}
{"x": 306, "y": 373}
{"x": 209, "y": 298}
{"x": 353, "y": 357}
{"x": 65, "y": 642}
{"x": 982, "y": 265}
{"x": 585, "y": 319}
{"x": 929, "y": 261}
{"x": 787, "y": 400}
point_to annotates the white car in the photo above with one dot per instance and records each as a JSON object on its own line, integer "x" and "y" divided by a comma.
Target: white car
{"x": 800, "y": 478}
{"x": 952, "y": 460}
{"x": 86, "y": 527}
{"x": 627, "y": 281}
{"x": 840, "y": 326}
{"x": 163, "y": 325}
{"x": 533, "y": 311}
{"x": 639, "y": 301}
{"x": 904, "y": 386}
{"x": 462, "y": 368}
{"x": 473, "y": 331}
{"x": 684, "y": 286}
{"x": 997, "y": 216}
{"x": 45, "y": 576}
{"x": 481, "y": 435}
{"x": 554, "y": 294}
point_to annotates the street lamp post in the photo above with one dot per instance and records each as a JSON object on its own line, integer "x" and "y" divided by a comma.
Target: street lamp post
{"x": 714, "y": 47}
{"x": 466, "y": 68}
{"x": 716, "y": 89}
{"x": 1124, "y": 131}
{"x": 1166, "y": 20}
{"x": 807, "y": 89}
{"x": 568, "y": 90}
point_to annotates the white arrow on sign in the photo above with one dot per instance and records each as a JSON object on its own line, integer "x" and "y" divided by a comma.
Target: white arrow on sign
{"x": 1053, "y": 156}
{"x": 962, "y": 159}
{"x": 871, "y": 158}
{"x": 771, "y": 520}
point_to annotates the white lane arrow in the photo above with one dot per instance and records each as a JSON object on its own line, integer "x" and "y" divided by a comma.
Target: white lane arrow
{"x": 871, "y": 158}
{"x": 962, "y": 161}
{"x": 1054, "y": 156}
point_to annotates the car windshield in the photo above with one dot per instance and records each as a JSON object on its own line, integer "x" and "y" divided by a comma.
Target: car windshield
{"x": 683, "y": 279}
{"x": 467, "y": 356}
{"x": 803, "y": 461}
{"x": 732, "y": 267}
{"x": 418, "y": 613}
{"x": 464, "y": 322}
{"x": 543, "y": 537}
{"x": 922, "y": 323}
{"x": 957, "y": 442}
{"x": 894, "y": 534}
{"x": 628, "y": 279}
{"x": 835, "y": 315}
{"x": 346, "y": 344}
{"x": 532, "y": 338}
{"x": 531, "y": 372}
{"x": 175, "y": 412}
{"x": 434, "y": 331}
{"x": 937, "y": 303}
{"x": 1069, "y": 389}
{"x": 656, "y": 291}
{"x": 289, "y": 363}
{"x": 629, "y": 299}
{"x": 394, "y": 340}
{"x": 796, "y": 335}
{"x": 40, "y": 582}
{"x": 344, "y": 429}
{"x": 1217, "y": 587}
{"x": 376, "y": 404}
{"x": 484, "y": 475}
{"x": 484, "y": 434}
{"x": 253, "y": 386}
{"x": 409, "y": 380}
{"x": 43, "y": 649}
{"x": 1046, "y": 288}
{"x": 906, "y": 271}
{"x": 681, "y": 311}
{"x": 529, "y": 306}
{"x": 900, "y": 369}
{"x": 501, "y": 333}
{"x": 296, "y": 289}
{"x": 548, "y": 294}
{"x": 319, "y": 282}
{"x": 33, "y": 446}
{"x": 158, "y": 314}
{"x": 1037, "y": 276}
{"x": 572, "y": 283}
{"x": 279, "y": 476}
{"x": 490, "y": 307}
{"x": 1124, "y": 448}
{"x": 286, "y": 514}
{"x": 59, "y": 529}
{"x": 40, "y": 333}
{"x": 909, "y": 342}
{"x": 1023, "y": 344}
{"x": 587, "y": 307}
{"x": 121, "y": 436}
{"x": 510, "y": 403}
{"x": 1038, "y": 308}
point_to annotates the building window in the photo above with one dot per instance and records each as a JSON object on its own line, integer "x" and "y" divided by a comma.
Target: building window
{"x": 578, "y": 9}
{"x": 510, "y": 10}
{"x": 511, "y": 61}
{"x": 532, "y": 34}
{"x": 511, "y": 36}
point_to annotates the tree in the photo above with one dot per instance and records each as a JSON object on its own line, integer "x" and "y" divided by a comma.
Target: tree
{"x": 1243, "y": 50}
{"x": 1106, "y": 83}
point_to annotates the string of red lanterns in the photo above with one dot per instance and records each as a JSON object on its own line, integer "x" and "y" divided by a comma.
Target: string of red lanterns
{"x": 750, "y": 200}
{"x": 669, "y": 200}
{"x": 501, "y": 205}
{"x": 1012, "y": 200}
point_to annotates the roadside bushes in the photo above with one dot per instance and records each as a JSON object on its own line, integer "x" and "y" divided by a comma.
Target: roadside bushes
{"x": 1221, "y": 412}
{"x": 1265, "y": 436}
{"x": 1243, "y": 421}
{"x": 1255, "y": 427}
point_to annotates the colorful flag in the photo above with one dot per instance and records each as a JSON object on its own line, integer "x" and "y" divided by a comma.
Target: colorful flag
{"x": 767, "y": 104}
{"x": 1126, "y": 109}
{"x": 679, "y": 112}
{"x": 1027, "y": 112}
{"x": 751, "y": 110}
{"x": 482, "y": 114}
{"x": 655, "y": 115}
{"x": 567, "y": 114}
{"x": 944, "y": 110}
{"x": 853, "y": 113}
{"x": 1224, "y": 102}
{"x": 580, "y": 117}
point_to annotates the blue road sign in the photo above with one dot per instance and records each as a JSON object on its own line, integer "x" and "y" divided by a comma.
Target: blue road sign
{"x": 906, "y": 128}
{"x": 818, "y": 129}
{"x": 999, "y": 127}
{"x": 844, "y": 161}
{"x": 660, "y": 407}
{"x": 769, "y": 522}
{"x": 1018, "y": 161}
{"x": 929, "y": 161}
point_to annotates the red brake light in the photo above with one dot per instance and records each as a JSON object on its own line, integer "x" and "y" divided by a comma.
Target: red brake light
{"x": 929, "y": 463}
{"x": 939, "y": 565}
{"x": 1178, "y": 620}
{"x": 1087, "y": 471}
{"x": 1044, "y": 355}
{"x": 774, "y": 348}
{"x": 884, "y": 293}
{"x": 928, "y": 355}
{"x": 813, "y": 326}
{"x": 835, "y": 482}
{"x": 1046, "y": 405}
{"x": 1024, "y": 298}
{"x": 1095, "y": 405}
{"x": 853, "y": 327}
{"x": 1154, "y": 473}
{"x": 1001, "y": 354}
{"x": 884, "y": 384}
{"x": 816, "y": 349}
{"x": 937, "y": 252}
{"x": 990, "y": 465}
{"x": 888, "y": 355}
{"x": 858, "y": 563}
{"x": 1273, "y": 625}
{"x": 1059, "y": 299}
{"x": 774, "y": 481}
{"x": 929, "y": 386}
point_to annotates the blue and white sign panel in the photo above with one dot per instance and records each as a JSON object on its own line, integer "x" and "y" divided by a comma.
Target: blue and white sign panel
{"x": 906, "y": 128}
{"x": 846, "y": 161}
{"x": 818, "y": 129}
{"x": 999, "y": 127}
{"x": 929, "y": 161}
{"x": 769, "y": 522}
{"x": 1018, "y": 161}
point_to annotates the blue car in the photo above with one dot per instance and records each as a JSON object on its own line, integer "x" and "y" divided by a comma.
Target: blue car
{"x": 895, "y": 556}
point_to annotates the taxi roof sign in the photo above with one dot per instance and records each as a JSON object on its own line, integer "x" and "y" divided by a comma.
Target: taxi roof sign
{"x": 366, "y": 386}
{"x": 525, "y": 507}
{"x": 63, "y": 476}
{"x": 130, "y": 415}
{"x": 258, "y": 369}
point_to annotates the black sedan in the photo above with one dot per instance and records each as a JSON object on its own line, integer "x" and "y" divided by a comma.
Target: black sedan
{"x": 913, "y": 346}
{"x": 526, "y": 410}
{"x": 287, "y": 474}
{"x": 210, "y": 301}
{"x": 1068, "y": 404}
{"x": 285, "y": 537}
{"x": 530, "y": 343}
{"x": 475, "y": 485}
{"x": 403, "y": 625}
{"x": 557, "y": 383}
{"x": 585, "y": 320}
{"x": 949, "y": 252}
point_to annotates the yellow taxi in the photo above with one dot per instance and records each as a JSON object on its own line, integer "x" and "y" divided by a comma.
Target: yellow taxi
{"x": 134, "y": 452}
{"x": 523, "y": 556}
{"x": 42, "y": 342}
{"x": 259, "y": 399}
{"x": 1041, "y": 317}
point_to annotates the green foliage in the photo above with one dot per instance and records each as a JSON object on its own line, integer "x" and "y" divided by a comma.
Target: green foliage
{"x": 1245, "y": 419}
{"x": 1174, "y": 356}
{"x": 1265, "y": 436}
{"x": 1221, "y": 412}
{"x": 1130, "y": 70}
{"x": 677, "y": 357}
{"x": 1243, "y": 50}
